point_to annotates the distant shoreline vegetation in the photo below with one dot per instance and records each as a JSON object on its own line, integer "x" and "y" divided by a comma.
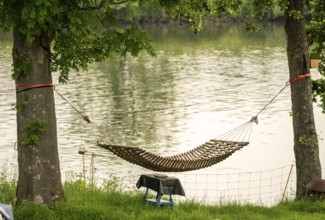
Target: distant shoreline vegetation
{"x": 151, "y": 20}
{"x": 152, "y": 13}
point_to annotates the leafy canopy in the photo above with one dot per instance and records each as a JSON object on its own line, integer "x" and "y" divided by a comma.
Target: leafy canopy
{"x": 80, "y": 31}
{"x": 316, "y": 38}
{"x": 315, "y": 33}
{"x": 86, "y": 31}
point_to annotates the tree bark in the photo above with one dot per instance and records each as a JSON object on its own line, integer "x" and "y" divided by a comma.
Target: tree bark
{"x": 306, "y": 147}
{"x": 39, "y": 177}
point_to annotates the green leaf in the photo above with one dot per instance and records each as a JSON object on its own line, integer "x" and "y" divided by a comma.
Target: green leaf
{"x": 33, "y": 131}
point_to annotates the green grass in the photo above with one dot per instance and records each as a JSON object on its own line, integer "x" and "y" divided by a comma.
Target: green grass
{"x": 110, "y": 202}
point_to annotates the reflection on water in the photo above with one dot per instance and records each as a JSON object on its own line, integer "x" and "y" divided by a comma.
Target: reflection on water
{"x": 198, "y": 86}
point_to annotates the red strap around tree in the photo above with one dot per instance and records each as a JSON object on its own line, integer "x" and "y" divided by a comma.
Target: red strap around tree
{"x": 26, "y": 87}
{"x": 300, "y": 76}
{"x": 32, "y": 86}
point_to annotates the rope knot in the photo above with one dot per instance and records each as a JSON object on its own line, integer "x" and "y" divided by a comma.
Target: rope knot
{"x": 254, "y": 119}
{"x": 86, "y": 118}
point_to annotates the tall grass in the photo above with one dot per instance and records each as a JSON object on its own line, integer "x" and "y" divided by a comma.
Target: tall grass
{"x": 109, "y": 201}
{"x": 8, "y": 182}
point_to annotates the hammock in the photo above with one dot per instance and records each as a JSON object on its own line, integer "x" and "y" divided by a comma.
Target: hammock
{"x": 205, "y": 155}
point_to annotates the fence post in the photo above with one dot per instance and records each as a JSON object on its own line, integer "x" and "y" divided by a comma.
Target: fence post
{"x": 285, "y": 188}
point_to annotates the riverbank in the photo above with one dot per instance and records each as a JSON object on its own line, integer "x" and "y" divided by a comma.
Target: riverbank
{"x": 110, "y": 202}
{"x": 101, "y": 204}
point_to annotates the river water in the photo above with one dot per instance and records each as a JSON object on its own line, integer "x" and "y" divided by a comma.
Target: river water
{"x": 197, "y": 87}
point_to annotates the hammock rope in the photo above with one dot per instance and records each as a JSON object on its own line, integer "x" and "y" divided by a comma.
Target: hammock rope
{"x": 239, "y": 133}
{"x": 202, "y": 156}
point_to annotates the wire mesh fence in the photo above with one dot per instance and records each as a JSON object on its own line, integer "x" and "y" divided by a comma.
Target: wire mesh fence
{"x": 263, "y": 187}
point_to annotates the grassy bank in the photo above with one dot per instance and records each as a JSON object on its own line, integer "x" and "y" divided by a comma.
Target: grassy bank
{"x": 101, "y": 204}
{"x": 110, "y": 202}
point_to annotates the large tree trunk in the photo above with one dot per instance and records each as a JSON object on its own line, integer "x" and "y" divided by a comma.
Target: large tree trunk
{"x": 38, "y": 161}
{"x": 305, "y": 137}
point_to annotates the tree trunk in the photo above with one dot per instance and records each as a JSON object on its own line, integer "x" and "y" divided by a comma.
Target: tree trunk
{"x": 306, "y": 147}
{"x": 39, "y": 177}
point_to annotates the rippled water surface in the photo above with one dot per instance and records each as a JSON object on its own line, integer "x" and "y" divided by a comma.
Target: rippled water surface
{"x": 197, "y": 87}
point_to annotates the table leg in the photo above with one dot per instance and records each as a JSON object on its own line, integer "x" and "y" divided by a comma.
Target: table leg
{"x": 171, "y": 202}
{"x": 145, "y": 195}
{"x": 158, "y": 197}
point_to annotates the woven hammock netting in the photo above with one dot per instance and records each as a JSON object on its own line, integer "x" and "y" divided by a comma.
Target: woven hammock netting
{"x": 202, "y": 156}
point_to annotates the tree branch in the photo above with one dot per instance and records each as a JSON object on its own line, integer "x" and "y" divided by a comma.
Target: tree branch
{"x": 96, "y": 7}
{"x": 104, "y": 25}
{"x": 120, "y": 2}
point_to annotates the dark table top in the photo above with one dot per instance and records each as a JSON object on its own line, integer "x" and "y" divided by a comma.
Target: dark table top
{"x": 162, "y": 185}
